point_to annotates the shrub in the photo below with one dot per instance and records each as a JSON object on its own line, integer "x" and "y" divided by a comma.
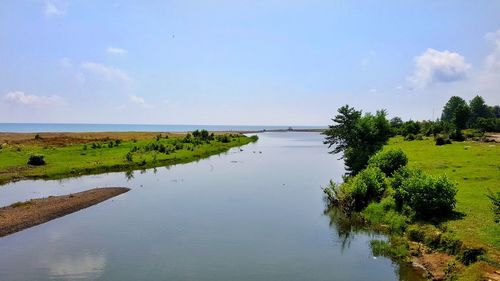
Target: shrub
{"x": 384, "y": 213}
{"x": 410, "y": 137}
{"x": 419, "y": 137}
{"x": 389, "y": 161}
{"x": 36, "y": 160}
{"x": 495, "y": 200}
{"x": 470, "y": 255}
{"x": 442, "y": 141}
{"x": 428, "y": 196}
{"x": 355, "y": 193}
{"x": 457, "y": 136}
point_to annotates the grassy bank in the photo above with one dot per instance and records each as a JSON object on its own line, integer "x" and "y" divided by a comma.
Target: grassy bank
{"x": 76, "y": 154}
{"x": 475, "y": 166}
{"x": 446, "y": 246}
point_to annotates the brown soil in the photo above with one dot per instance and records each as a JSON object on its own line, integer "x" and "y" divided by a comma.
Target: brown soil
{"x": 22, "y": 215}
{"x": 434, "y": 263}
{"x": 62, "y": 139}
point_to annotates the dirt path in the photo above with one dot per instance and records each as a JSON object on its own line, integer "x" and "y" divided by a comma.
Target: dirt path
{"x": 22, "y": 215}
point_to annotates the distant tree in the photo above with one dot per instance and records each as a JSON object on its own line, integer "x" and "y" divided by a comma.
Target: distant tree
{"x": 357, "y": 136}
{"x": 478, "y": 109}
{"x": 495, "y": 110}
{"x": 450, "y": 108}
{"x": 410, "y": 127}
{"x": 396, "y": 124}
{"x": 461, "y": 116}
{"x": 457, "y": 112}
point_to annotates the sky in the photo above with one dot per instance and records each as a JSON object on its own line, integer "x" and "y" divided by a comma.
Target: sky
{"x": 242, "y": 62}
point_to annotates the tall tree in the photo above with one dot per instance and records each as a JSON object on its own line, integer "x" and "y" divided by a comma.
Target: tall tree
{"x": 451, "y": 107}
{"x": 357, "y": 136}
{"x": 457, "y": 112}
{"x": 478, "y": 109}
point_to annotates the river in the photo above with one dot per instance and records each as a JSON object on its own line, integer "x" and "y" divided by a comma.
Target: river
{"x": 255, "y": 213}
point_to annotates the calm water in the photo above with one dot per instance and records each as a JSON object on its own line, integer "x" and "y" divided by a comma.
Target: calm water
{"x": 255, "y": 214}
{"x": 51, "y": 127}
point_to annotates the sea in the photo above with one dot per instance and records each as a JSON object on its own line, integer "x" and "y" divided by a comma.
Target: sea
{"x": 79, "y": 127}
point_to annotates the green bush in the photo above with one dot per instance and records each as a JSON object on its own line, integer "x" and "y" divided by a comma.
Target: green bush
{"x": 409, "y": 137}
{"x": 384, "y": 214}
{"x": 428, "y": 196}
{"x": 440, "y": 140}
{"x": 356, "y": 192}
{"x": 389, "y": 161}
{"x": 36, "y": 160}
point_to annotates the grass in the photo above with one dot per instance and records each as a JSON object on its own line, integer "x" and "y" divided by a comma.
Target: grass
{"x": 75, "y": 156}
{"x": 475, "y": 166}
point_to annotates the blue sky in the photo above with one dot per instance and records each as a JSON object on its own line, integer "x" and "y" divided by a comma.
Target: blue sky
{"x": 242, "y": 62}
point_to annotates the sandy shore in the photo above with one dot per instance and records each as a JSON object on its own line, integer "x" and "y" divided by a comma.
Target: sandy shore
{"x": 22, "y": 215}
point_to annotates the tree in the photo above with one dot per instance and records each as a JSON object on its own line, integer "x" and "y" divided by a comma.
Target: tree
{"x": 478, "y": 109}
{"x": 450, "y": 108}
{"x": 357, "y": 136}
{"x": 396, "y": 124}
{"x": 461, "y": 116}
{"x": 457, "y": 112}
{"x": 496, "y": 111}
{"x": 410, "y": 127}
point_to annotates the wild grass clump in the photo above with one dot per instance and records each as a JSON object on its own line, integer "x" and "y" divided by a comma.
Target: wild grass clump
{"x": 396, "y": 247}
{"x": 36, "y": 160}
{"x": 384, "y": 214}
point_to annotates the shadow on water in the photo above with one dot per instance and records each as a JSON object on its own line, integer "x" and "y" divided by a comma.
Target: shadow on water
{"x": 348, "y": 226}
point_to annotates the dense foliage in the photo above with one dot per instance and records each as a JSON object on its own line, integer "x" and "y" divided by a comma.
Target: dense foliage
{"x": 457, "y": 115}
{"x": 428, "y": 196}
{"x": 389, "y": 161}
{"x": 357, "y": 191}
{"x": 357, "y": 136}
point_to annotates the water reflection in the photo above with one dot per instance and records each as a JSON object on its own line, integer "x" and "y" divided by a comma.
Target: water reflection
{"x": 348, "y": 226}
{"x": 87, "y": 267}
{"x": 345, "y": 226}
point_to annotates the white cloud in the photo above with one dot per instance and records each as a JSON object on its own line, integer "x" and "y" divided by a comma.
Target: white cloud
{"x": 137, "y": 100}
{"x": 373, "y": 90}
{"x": 51, "y": 9}
{"x": 493, "y": 59}
{"x": 439, "y": 67}
{"x": 106, "y": 72}
{"x": 116, "y": 51}
{"x": 21, "y": 98}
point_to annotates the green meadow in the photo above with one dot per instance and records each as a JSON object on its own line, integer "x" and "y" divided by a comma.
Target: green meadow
{"x": 475, "y": 166}
{"x": 107, "y": 156}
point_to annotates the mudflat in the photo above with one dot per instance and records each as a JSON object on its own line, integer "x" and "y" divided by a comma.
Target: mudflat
{"x": 22, "y": 215}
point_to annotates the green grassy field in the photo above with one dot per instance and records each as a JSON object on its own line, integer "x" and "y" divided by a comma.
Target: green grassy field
{"x": 76, "y": 159}
{"x": 475, "y": 166}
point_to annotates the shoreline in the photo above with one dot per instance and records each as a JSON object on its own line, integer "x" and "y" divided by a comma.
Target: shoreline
{"x": 23, "y": 215}
{"x": 76, "y": 154}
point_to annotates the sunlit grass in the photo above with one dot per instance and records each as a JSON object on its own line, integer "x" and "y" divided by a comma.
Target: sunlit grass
{"x": 475, "y": 166}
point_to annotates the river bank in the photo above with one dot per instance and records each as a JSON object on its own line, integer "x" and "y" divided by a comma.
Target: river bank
{"x": 22, "y": 215}
{"x": 76, "y": 154}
